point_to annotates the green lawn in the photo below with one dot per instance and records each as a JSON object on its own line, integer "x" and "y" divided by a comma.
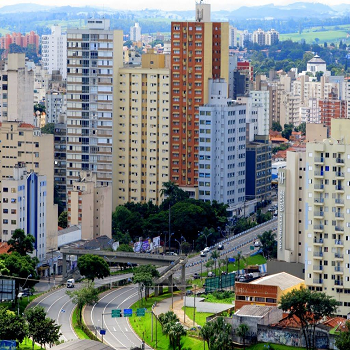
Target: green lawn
{"x": 27, "y": 345}
{"x": 143, "y": 327}
{"x": 22, "y": 303}
{"x": 263, "y": 346}
{"x": 328, "y": 34}
{"x": 213, "y": 298}
{"x": 200, "y": 318}
{"x": 77, "y": 329}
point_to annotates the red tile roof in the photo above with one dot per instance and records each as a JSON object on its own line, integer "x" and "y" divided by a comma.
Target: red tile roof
{"x": 26, "y": 125}
{"x": 4, "y": 247}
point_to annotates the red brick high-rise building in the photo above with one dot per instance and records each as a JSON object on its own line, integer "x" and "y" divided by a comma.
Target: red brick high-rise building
{"x": 199, "y": 51}
{"x": 21, "y": 40}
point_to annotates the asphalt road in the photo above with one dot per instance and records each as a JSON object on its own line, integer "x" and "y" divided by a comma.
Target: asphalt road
{"x": 119, "y": 334}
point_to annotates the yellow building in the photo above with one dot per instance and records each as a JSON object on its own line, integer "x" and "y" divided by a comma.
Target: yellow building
{"x": 23, "y": 144}
{"x": 141, "y": 132}
{"x": 90, "y": 206}
{"x": 327, "y": 215}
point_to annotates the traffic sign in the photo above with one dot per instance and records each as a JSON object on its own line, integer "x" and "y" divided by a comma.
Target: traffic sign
{"x": 141, "y": 312}
{"x": 116, "y": 313}
{"x": 102, "y": 331}
{"x": 127, "y": 312}
{"x": 251, "y": 247}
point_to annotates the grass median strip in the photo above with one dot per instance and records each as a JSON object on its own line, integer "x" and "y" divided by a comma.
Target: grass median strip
{"x": 77, "y": 328}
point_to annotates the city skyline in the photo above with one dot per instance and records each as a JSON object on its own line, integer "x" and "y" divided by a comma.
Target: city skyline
{"x": 181, "y": 5}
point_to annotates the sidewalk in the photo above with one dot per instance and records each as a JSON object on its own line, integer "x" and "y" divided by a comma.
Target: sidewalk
{"x": 165, "y": 305}
{"x": 44, "y": 284}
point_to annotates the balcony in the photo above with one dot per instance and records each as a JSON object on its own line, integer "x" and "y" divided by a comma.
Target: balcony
{"x": 339, "y": 188}
{"x": 339, "y": 201}
{"x": 318, "y": 254}
{"x": 339, "y": 215}
{"x": 338, "y": 242}
{"x": 338, "y": 283}
{"x": 318, "y": 280}
{"x": 339, "y": 174}
{"x": 318, "y": 214}
{"x": 339, "y": 229}
{"x": 318, "y": 241}
{"x": 319, "y": 160}
{"x": 339, "y": 161}
{"x": 318, "y": 268}
{"x": 319, "y": 201}
{"x": 338, "y": 269}
{"x": 318, "y": 188}
{"x": 319, "y": 173}
{"x": 338, "y": 256}
{"x": 318, "y": 227}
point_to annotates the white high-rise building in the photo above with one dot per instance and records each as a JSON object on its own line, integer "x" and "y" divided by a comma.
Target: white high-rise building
{"x": 135, "y": 32}
{"x": 222, "y": 141}
{"x": 93, "y": 59}
{"x": 54, "y": 51}
{"x": 245, "y": 37}
{"x": 232, "y": 36}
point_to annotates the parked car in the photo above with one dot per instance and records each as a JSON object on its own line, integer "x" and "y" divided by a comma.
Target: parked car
{"x": 170, "y": 253}
{"x": 211, "y": 274}
{"x": 220, "y": 246}
{"x": 189, "y": 292}
{"x": 257, "y": 244}
{"x": 27, "y": 292}
{"x": 196, "y": 276}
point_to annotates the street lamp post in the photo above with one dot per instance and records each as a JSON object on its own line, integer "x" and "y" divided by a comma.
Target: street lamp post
{"x": 29, "y": 276}
{"x": 179, "y": 245}
{"x": 206, "y": 237}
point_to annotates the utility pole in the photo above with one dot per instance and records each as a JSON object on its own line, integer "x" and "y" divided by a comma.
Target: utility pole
{"x": 169, "y": 223}
{"x": 194, "y": 308}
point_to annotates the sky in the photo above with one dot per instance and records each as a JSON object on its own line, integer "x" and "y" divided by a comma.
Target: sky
{"x": 165, "y": 5}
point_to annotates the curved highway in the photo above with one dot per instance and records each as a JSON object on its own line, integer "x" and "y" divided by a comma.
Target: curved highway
{"x": 119, "y": 334}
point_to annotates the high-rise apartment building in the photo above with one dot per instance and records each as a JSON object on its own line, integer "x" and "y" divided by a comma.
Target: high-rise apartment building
{"x": 291, "y": 209}
{"x": 259, "y": 37}
{"x": 24, "y": 200}
{"x": 142, "y": 143}
{"x": 244, "y": 38}
{"x": 199, "y": 52}
{"x": 90, "y": 206}
{"x": 232, "y": 36}
{"x": 271, "y": 37}
{"x": 54, "y": 51}
{"x": 135, "y": 32}
{"x": 94, "y": 55}
{"x": 21, "y": 40}
{"x": 327, "y": 215}
{"x": 16, "y": 99}
{"x": 24, "y": 145}
{"x": 222, "y": 141}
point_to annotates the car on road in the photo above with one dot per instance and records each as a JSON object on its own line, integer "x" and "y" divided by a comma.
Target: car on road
{"x": 257, "y": 244}
{"x": 203, "y": 253}
{"x": 196, "y": 276}
{"x": 211, "y": 274}
{"x": 206, "y": 249}
{"x": 27, "y": 292}
{"x": 220, "y": 246}
{"x": 170, "y": 253}
{"x": 70, "y": 283}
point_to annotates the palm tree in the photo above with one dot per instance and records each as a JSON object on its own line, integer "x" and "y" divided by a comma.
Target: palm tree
{"x": 239, "y": 257}
{"x": 208, "y": 265}
{"x": 176, "y": 331}
{"x": 242, "y": 331}
{"x": 268, "y": 244}
{"x": 207, "y": 332}
{"x": 168, "y": 320}
{"x": 215, "y": 255}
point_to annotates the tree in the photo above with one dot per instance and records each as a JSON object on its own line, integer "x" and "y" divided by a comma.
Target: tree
{"x": 93, "y": 266}
{"x": 49, "y": 128}
{"x": 41, "y": 329}
{"x": 268, "y": 244}
{"x": 185, "y": 247}
{"x": 239, "y": 257}
{"x": 176, "y": 331}
{"x": 287, "y": 131}
{"x": 12, "y": 326}
{"x": 86, "y": 295}
{"x": 172, "y": 194}
{"x": 21, "y": 243}
{"x": 310, "y": 308}
{"x": 217, "y": 334}
{"x": 302, "y": 128}
{"x": 172, "y": 328}
{"x": 242, "y": 331}
{"x": 144, "y": 275}
{"x": 342, "y": 341}
{"x": 63, "y": 219}
{"x": 125, "y": 248}
{"x": 276, "y": 126}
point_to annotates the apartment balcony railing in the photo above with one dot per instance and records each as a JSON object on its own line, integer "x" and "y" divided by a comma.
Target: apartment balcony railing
{"x": 338, "y": 269}
{"x": 318, "y": 254}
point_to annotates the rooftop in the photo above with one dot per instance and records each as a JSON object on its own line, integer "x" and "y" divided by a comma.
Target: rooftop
{"x": 317, "y": 59}
{"x": 254, "y": 310}
{"x": 283, "y": 280}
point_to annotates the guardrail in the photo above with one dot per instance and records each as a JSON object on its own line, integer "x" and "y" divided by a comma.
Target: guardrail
{"x": 238, "y": 246}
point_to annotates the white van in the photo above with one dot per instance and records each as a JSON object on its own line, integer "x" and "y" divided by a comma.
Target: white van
{"x": 70, "y": 283}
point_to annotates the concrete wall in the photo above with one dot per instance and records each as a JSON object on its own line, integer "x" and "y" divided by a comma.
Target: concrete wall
{"x": 202, "y": 306}
{"x": 69, "y": 237}
{"x": 295, "y": 269}
{"x": 290, "y": 337}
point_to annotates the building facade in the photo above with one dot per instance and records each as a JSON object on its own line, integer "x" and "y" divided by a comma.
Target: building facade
{"x": 89, "y": 205}
{"x": 222, "y": 140}
{"x": 142, "y": 145}
{"x": 199, "y": 52}
{"x": 135, "y": 32}
{"x": 327, "y": 215}
{"x": 54, "y": 51}
{"x": 93, "y": 58}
